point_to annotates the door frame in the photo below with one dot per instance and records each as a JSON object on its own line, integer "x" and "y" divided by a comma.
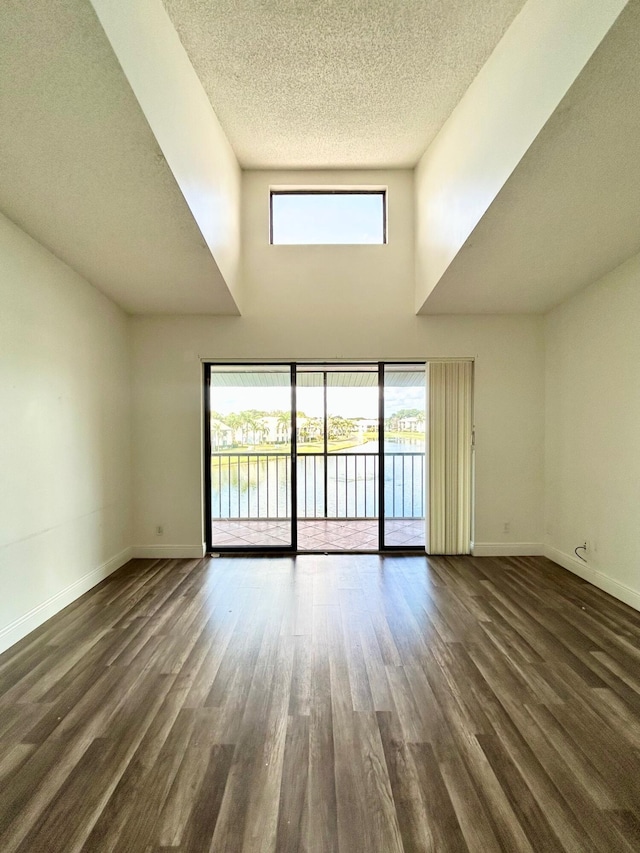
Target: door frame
{"x": 242, "y": 549}
{"x": 293, "y": 365}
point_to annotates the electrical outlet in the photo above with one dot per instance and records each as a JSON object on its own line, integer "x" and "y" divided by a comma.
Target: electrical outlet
{"x": 159, "y": 530}
{"x": 506, "y": 527}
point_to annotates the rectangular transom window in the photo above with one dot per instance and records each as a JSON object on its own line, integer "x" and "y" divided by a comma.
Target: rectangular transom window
{"x": 328, "y": 217}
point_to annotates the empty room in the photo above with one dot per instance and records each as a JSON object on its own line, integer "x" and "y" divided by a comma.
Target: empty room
{"x": 319, "y": 406}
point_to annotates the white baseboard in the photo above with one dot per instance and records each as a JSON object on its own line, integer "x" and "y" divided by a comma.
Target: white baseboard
{"x": 604, "y": 582}
{"x": 22, "y": 626}
{"x": 507, "y": 549}
{"x": 169, "y": 552}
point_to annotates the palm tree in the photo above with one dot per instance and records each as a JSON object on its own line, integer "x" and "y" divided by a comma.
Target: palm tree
{"x": 340, "y": 427}
{"x": 216, "y": 423}
{"x": 234, "y": 421}
{"x": 283, "y": 426}
{"x": 315, "y": 427}
{"x": 250, "y": 424}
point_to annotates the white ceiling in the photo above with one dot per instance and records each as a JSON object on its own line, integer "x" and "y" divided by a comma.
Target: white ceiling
{"x": 82, "y": 172}
{"x": 326, "y": 84}
{"x": 362, "y": 84}
{"x": 571, "y": 210}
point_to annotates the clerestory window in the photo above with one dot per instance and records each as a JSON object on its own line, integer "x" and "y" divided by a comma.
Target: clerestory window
{"x": 328, "y": 217}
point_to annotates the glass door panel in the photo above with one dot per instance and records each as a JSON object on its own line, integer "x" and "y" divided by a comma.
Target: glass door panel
{"x": 337, "y": 423}
{"x": 251, "y": 456}
{"x": 311, "y": 464}
{"x": 404, "y": 455}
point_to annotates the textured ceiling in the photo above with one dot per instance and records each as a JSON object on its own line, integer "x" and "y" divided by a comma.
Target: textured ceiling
{"x": 309, "y": 84}
{"x": 365, "y": 83}
{"x": 82, "y": 172}
{"x": 571, "y": 210}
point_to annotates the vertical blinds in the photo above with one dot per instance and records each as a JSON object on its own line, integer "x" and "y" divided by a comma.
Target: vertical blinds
{"x": 449, "y": 416}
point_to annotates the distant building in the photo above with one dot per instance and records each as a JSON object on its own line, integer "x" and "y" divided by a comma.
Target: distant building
{"x": 273, "y": 429}
{"x": 412, "y": 424}
{"x": 221, "y": 434}
{"x": 366, "y": 424}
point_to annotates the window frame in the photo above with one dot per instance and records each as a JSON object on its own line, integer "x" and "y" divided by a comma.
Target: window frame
{"x": 307, "y": 191}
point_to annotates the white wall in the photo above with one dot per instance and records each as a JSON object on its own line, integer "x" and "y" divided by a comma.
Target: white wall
{"x": 592, "y": 479}
{"x": 497, "y": 119}
{"x": 64, "y": 435}
{"x": 338, "y": 302}
{"x": 183, "y": 121}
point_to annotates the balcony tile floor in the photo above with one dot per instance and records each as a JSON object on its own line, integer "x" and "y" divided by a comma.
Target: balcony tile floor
{"x": 317, "y": 535}
{"x": 404, "y": 532}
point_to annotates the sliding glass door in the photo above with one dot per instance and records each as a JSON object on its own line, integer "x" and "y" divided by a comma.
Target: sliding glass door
{"x": 404, "y": 455}
{"x": 338, "y": 452}
{"x": 315, "y": 457}
{"x": 249, "y": 433}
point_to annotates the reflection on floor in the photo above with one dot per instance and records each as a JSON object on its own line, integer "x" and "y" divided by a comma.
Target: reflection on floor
{"x": 317, "y": 535}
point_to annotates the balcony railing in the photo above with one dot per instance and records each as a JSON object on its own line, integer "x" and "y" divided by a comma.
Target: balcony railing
{"x": 257, "y": 486}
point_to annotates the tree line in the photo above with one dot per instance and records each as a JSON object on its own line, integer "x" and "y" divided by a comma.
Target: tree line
{"x": 251, "y": 426}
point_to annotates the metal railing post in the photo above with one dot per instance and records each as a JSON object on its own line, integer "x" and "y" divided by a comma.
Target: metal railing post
{"x": 228, "y": 502}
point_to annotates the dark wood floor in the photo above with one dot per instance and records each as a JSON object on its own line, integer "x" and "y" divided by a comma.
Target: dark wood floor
{"x": 329, "y": 703}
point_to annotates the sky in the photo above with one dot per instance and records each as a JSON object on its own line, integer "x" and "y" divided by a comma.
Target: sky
{"x": 322, "y": 219}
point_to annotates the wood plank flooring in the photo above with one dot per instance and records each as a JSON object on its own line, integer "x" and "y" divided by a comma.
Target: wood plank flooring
{"x": 327, "y": 704}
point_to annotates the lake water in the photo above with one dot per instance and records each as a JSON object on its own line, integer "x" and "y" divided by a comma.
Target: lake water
{"x": 260, "y": 486}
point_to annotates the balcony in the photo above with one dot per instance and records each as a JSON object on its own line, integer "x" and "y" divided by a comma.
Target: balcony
{"x": 337, "y": 501}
